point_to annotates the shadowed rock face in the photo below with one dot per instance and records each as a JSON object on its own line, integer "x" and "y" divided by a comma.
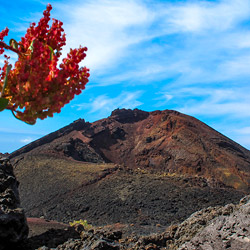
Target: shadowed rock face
{"x": 162, "y": 141}
{"x": 13, "y": 225}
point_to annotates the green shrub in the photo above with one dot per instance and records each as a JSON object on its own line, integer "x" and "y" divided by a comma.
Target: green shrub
{"x": 84, "y": 223}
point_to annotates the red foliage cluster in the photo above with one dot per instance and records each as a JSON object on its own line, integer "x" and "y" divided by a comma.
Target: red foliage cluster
{"x": 36, "y": 87}
{"x": 2, "y": 35}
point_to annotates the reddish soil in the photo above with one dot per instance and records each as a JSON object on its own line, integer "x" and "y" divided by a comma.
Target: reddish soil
{"x": 38, "y": 226}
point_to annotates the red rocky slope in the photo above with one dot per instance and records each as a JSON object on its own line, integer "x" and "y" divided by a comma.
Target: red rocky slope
{"x": 162, "y": 141}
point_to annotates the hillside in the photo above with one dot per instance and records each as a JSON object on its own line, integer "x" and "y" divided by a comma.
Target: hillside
{"x": 149, "y": 169}
{"x": 165, "y": 141}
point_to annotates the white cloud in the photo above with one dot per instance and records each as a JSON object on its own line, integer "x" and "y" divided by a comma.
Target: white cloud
{"x": 144, "y": 74}
{"x": 163, "y": 99}
{"x": 103, "y": 105}
{"x": 21, "y": 131}
{"x": 232, "y": 102}
{"x": 119, "y": 35}
{"x": 106, "y": 27}
{"x": 244, "y": 131}
{"x": 26, "y": 140}
{"x": 236, "y": 67}
{"x": 188, "y": 18}
{"x": 216, "y": 109}
{"x": 203, "y": 16}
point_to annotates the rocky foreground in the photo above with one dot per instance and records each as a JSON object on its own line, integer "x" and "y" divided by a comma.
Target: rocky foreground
{"x": 221, "y": 227}
{"x": 13, "y": 224}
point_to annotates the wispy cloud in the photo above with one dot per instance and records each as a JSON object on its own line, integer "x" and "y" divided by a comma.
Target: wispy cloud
{"x": 26, "y": 140}
{"x": 232, "y": 102}
{"x": 163, "y": 99}
{"x": 204, "y": 16}
{"x": 193, "y": 36}
{"x": 103, "y": 104}
{"x": 106, "y": 27}
{"x": 143, "y": 41}
{"x": 244, "y": 131}
{"x": 21, "y": 131}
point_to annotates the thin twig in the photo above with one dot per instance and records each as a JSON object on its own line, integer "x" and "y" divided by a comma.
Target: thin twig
{"x": 4, "y": 45}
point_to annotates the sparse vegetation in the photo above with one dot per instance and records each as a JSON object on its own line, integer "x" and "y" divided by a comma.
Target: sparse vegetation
{"x": 84, "y": 223}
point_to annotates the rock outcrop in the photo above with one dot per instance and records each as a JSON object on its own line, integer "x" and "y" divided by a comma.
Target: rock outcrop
{"x": 226, "y": 227}
{"x": 13, "y": 225}
{"x": 221, "y": 227}
{"x": 230, "y": 230}
{"x": 75, "y": 126}
{"x": 6, "y": 155}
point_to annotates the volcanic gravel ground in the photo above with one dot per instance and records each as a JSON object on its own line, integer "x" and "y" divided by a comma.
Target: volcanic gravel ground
{"x": 148, "y": 202}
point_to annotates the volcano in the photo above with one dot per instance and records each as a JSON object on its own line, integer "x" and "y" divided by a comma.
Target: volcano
{"x": 134, "y": 167}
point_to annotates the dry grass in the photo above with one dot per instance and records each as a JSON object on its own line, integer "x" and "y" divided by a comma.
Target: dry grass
{"x": 63, "y": 168}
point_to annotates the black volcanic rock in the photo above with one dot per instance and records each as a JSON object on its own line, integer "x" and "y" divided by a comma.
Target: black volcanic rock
{"x": 64, "y": 190}
{"x": 220, "y": 227}
{"x": 13, "y": 224}
{"x": 79, "y": 151}
{"x": 74, "y": 126}
{"x": 230, "y": 230}
{"x": 5, "y": 155}
{"x": 128, "y": 115}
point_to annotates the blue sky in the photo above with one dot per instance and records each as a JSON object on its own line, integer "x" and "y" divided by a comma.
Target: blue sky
{"x": 190, "y": 56}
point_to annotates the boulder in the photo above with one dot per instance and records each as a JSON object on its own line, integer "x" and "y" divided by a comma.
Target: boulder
{"x": 13, "y": 224}
{"x": 94, "y": 239}
{"x": 228, "y": 231}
